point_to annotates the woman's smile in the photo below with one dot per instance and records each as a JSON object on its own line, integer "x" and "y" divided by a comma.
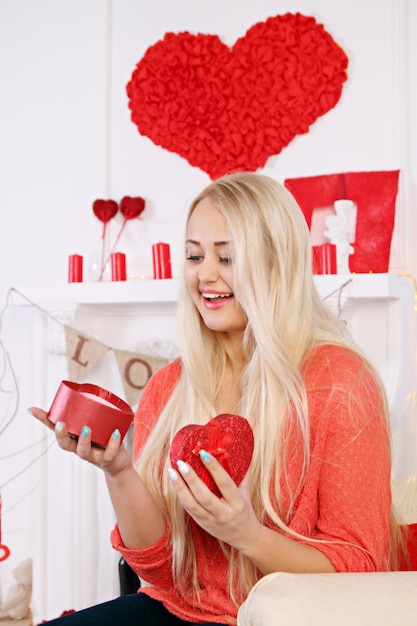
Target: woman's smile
{"x": 215, "y": 299}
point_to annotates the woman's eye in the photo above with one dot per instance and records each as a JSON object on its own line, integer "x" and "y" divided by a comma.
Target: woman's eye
{"x": 197, "y": 258}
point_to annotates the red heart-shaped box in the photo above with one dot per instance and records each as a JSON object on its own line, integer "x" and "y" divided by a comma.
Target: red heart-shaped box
{"x": 227, "y": 437}
{"x": 79, "y": 405}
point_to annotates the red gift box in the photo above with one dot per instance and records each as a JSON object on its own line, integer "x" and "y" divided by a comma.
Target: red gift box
{"x": 79, "y": 405}
{"x": 374, "y": 194}
{"x": 227, "y": 437}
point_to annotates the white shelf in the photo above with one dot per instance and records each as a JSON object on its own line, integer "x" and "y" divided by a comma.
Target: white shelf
{"x": 123, "y": 292}
{"x": 364, "y": 286}
{"x": 357, "y": 286}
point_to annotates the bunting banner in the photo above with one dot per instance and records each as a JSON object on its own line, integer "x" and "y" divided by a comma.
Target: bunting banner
{"x": 135, "y": 371}
{"x": 83, "y": 353}
{"x": 135, "y": 368}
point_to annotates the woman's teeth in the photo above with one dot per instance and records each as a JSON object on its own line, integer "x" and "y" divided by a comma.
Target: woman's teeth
{"x": 214, "y": 296}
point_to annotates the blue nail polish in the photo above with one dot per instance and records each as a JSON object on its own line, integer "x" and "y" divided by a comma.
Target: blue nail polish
{"x": 172, "y": 474}
{"x": 183, "y": 467}
{"x": 59, "y": 426}
{"x": 115, "y": 434}
{"x": 205, "y": 456}
{"x": 85, "y": 431}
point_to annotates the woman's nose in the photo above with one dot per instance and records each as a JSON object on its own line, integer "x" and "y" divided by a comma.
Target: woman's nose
{"x": 207, "y": 270}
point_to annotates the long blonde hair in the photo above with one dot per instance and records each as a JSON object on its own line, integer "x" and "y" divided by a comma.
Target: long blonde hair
{"x": 286, "y": 318}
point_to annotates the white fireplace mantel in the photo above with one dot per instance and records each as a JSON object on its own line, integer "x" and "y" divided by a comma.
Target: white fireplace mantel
{"x": 379, "y": 311}
{"x": 158, "y": 292}
{"x": 132, "y": 292}
{"x": 377, "y": 308}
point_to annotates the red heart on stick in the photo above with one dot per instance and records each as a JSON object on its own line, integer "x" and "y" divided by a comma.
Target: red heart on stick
{"x": 131, "y": 207}
{"x": 227, "y": 437}
{"x": 225, "y": 109}
{"x": 105, "y": 210}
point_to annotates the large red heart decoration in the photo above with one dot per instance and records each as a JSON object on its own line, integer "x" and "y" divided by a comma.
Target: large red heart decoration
{"x": 227, "y": 437}
{"x": 226, "y": 109}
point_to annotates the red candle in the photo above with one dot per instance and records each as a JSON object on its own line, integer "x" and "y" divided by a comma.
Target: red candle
{"x": 75, "y": 268}
{"x": 118, "y": 266}
{"x": 324, "y": 259}
{"x": 161, "y": 258}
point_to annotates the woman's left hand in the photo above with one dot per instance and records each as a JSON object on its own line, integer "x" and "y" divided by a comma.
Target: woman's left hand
{"x": 230, "y": 518}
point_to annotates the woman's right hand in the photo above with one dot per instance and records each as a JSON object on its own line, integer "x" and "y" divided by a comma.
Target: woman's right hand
{"x": 114, "y": 460}
{"x": 140, "y": 520}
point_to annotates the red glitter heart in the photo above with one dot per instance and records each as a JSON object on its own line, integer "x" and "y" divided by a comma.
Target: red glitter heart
{"x": 225, "y": 109}
{"x": 131, "y": 207}
{"x": 227, "y": 437}
{"x": 105, "y": 210}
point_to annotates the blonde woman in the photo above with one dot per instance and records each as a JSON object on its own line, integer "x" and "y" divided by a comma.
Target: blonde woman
{"x": 256, "y": 340}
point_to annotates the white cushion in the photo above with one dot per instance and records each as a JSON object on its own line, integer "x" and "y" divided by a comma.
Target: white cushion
{"x": 371, "y": 599}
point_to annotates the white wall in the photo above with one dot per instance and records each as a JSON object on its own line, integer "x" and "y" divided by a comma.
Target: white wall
{"x": 66, "y": 139}
{"x": 64, "y": 142}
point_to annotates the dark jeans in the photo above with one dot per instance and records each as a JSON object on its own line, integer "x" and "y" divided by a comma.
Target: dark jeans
{"x": 136, "y": 609}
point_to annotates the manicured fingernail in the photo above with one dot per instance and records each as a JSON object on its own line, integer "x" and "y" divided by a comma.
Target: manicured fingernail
{"x": 205, "y": 456}
{"x": 30, "y": 411}
{"x": 85, "y": 431}
{"x": 58, "y": 427}
{"x": 183, "y": 467}
{"x": 115, "y": 434}
{"x": 172, "y": 474}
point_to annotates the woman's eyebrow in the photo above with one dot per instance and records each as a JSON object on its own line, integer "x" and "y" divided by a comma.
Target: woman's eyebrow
{"x": 215, "y": 243}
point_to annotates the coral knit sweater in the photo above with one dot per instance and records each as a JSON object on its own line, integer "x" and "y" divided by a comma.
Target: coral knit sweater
{"x": 346, "y": 495}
